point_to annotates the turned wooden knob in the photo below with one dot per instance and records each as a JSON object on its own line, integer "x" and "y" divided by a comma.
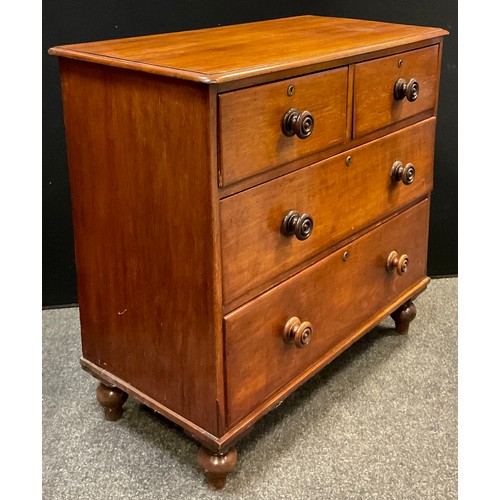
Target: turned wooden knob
{"x": 404, "y": 89}
{"x": 294, "y": 224}
{"x": 405, "y": 174}
{"x": 299, "y": 123}
{"x": 297, "y": 332}
{"x": 400, "y": 263}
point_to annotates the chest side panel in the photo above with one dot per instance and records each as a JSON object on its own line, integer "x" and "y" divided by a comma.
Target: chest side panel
{"x": 140, "y": 172}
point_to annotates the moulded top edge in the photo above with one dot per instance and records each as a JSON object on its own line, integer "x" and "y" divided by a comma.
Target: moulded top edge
{"x": 226, "y": 53}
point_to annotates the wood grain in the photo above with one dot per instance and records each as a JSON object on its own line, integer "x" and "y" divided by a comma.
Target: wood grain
{"x": 246, "y": 424}
{"x": 337, "y": 296}
{"x": 341, "y": 200}
{"x": 234, "y": 52}
{"x": 216, "y": 466}
{"x": 180, "y": 176}
{"x": 374, "y": 103}
{"x": 112, "y": 400}
{"x": 268, "y": 175}
{"x": 147, "y": 257}
{"x": 250, "y": 135}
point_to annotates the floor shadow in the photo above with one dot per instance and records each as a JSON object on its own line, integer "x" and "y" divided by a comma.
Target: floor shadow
{"x": 171, "y": 439}
{"x": 300, "y": 398}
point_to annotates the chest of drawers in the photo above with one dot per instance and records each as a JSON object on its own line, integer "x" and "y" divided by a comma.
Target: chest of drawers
{"x": 247, "y": 202}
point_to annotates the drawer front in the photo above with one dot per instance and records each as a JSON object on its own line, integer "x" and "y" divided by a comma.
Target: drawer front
{"x": 251, "y": 136}
{"x": 335, "y": 295}
{"x": 375, "y": 104}
{"x": 340, "y": 199}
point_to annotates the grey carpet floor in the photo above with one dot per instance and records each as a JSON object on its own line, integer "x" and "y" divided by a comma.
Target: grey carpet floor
{"x": 380, "y": 421}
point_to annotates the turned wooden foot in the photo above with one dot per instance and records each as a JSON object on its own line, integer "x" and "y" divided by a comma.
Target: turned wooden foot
{"x": 217, "y": 466}
{"x": 403, "y": 316}
{"x": 112, "y": 400}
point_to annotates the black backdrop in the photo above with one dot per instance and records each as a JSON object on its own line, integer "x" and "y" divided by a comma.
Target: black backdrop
{"x": 81, "y": 21}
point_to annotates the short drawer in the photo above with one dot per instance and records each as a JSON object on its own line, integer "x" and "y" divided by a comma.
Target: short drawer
{"x": 378, "y": 105}
{"x": 252, "y": 136}
{"x": 337, "y": 296}
{"x": 341, "y": 195}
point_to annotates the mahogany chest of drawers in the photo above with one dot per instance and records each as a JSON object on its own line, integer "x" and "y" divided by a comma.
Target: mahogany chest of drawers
{"x": 247, "y": 202}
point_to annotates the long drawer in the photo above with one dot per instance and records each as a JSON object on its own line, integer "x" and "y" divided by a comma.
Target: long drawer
{"x": 321, "y": 307}
{"x": 341, "y": 195}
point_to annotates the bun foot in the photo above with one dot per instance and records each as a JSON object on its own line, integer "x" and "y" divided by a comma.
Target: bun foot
{"x": 403, "y": 316}
{"x": 217, "y": 466}
{"x": 112, "y": 400}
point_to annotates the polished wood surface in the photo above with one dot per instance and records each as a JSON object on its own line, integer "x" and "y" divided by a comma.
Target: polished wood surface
{"x": 260, "y": 178}
{"x": 233, "y": 52}
{"x": 244, "y": 425}
{"x": 145, "y": 254}
{"x": 248, "y": 201}
{"x": 403, "y": 316}
{"x": 341, "y": 199}
{"x": 374, "y": 103}
{"x": 210, "y": 441}
{"x": 250, "y": 131}
{"x": 335, "y": 295}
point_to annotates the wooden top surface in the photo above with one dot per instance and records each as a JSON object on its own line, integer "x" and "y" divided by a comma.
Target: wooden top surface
{"x": 227, "y": 53}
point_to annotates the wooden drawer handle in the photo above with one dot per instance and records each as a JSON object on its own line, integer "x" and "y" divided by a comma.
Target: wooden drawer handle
{"x": 403, "y": 89}
{"x": 299, "y": 123}
{"x": 400, "y": 263}
{"x": 294, "y": 224}
{"x": 406, "y": 173}
{"x": 297, "y": 332}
